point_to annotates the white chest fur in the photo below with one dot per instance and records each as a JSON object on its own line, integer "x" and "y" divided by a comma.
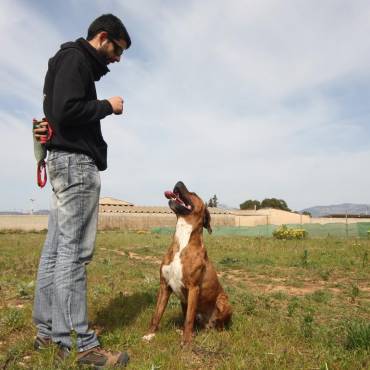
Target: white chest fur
{"x": 172, "y": 273}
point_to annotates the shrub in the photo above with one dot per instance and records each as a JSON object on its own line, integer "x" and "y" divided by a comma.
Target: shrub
{"x": 283, "y": 232}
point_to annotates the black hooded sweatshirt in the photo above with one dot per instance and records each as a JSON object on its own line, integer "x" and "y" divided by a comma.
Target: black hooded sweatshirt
{"x": 70, "y": 102}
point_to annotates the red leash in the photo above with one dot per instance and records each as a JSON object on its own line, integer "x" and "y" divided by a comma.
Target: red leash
{"x": 42, "y": 177}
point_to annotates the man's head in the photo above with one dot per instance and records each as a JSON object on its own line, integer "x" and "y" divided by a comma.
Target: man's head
{"x": 109, "y": 37}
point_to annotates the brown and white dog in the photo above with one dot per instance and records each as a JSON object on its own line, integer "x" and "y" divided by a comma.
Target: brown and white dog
{"x": 187, "y": 271}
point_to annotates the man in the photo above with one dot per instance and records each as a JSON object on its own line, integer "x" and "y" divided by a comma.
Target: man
{"x": 77, "y": 152}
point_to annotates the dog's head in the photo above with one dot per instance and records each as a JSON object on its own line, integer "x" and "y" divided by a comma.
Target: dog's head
{"x": 189, "y": 206}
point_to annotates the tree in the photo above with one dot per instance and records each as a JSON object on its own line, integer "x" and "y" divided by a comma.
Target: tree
{"x": 275, "y": 203}
{"x": 251, "y": 204}
{"x": 213, "y": 202}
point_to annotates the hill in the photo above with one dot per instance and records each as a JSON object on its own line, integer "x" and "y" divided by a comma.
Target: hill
{"x": 345, "y": 208}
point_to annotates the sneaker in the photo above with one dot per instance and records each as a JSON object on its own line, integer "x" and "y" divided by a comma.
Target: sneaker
{"x": 99, "y": 358}
{"x": 42, "y": 343}
{"x": 63, "y": 352}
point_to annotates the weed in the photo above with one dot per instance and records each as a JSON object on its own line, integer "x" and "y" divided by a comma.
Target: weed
{"x": 107, "y": 261}
{"x": 292, "y": 306}
{"x": 229, "y": 261}
{"x": 267, "y": 303}
{"x": 325, "y": 274}
{"x": 320, "y": 296}
{"x": 249, "y": 303}
{"x": 365, "y": 259}
{"x": 14, "y": 354}
{"x": 279, "y": 295}
{"x": 12, "y": 320}
{"x": 358, "y": 335}
{"x": 25, "y": 290}
{"x": 355, "y": 292}
{"x": 304, "y": 258}
{"x": 307, "y": 324}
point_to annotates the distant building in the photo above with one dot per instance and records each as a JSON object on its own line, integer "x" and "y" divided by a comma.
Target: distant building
{"x": 112, "y": 205}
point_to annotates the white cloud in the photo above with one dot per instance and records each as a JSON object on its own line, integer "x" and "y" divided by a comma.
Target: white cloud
{"x": 229, "y": 97}
{"x": 28, "y": 41}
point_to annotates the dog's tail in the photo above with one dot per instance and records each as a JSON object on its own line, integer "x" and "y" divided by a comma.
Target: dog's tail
{"x": 224, "y": 310}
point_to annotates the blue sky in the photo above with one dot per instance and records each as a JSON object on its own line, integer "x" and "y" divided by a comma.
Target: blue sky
{"x": 243, "y": 99}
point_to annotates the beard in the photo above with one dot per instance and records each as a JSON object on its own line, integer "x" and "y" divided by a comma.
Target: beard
{"x": 104, "y": 55}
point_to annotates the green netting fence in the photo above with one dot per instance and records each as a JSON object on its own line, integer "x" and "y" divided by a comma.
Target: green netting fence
{"x": 341, "y": 230}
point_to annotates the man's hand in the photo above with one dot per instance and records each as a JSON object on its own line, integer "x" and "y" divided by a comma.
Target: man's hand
{"x": 42, "y": 130}
{"x": 117, "y": 104}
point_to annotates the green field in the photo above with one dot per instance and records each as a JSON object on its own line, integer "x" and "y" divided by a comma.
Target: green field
{"x": 297, "y": 304}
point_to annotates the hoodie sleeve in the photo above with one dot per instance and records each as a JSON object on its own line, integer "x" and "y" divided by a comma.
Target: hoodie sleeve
{"x": 70, "y": 105}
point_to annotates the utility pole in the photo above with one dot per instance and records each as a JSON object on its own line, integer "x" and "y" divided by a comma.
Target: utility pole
{"x": 32, "y": 200}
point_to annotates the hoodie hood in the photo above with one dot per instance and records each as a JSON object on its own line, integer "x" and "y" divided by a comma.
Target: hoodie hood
{"x": 96, "y": 61}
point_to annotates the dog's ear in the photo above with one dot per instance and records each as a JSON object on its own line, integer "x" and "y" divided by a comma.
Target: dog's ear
{"x": 207, "y": 221}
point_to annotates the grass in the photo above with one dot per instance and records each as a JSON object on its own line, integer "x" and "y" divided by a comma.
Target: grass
{"x": 297, "y": 304}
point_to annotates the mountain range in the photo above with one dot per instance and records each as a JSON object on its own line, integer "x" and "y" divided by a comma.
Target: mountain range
{"x": 344, "y": 208}
{"x": 36, "y": 212}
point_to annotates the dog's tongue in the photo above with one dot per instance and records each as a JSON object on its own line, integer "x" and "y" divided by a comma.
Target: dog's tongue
{"x": 169, "y": 194}
{"x": 176, "y": 197}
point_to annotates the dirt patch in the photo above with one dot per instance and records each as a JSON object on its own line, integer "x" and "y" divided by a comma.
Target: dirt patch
{"x": 274, "y": 286}
{"x": 138, "y": 257}
{"x": 266, "y": 284}
{"x": 14, "y": 303}
{"x": 134, "y": 256}
{"x": 120, "y": 253}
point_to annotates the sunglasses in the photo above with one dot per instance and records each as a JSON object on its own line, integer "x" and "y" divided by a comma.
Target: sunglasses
{"x": 118, "y": 49}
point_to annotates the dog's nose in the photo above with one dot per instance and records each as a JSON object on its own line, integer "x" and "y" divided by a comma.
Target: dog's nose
{"x": 180, "y": 185}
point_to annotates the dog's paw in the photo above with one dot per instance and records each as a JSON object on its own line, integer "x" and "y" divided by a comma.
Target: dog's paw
{"x": 148, "y": 337}
{"x": 186, "y": 343}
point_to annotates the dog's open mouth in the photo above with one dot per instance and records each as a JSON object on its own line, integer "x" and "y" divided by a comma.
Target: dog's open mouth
{"x": 176, "y": 197}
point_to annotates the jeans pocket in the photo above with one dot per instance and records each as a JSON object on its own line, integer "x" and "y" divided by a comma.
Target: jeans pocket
{"x": 85, "y": 160}
{"x": 59, "y": 174}
{"x": 91, "y": 176}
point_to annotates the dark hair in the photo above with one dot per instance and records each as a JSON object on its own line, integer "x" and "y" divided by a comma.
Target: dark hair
{"x": 110, "y": 24}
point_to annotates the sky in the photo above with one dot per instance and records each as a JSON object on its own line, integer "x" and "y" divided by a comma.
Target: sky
{"x": 244, "y": 99}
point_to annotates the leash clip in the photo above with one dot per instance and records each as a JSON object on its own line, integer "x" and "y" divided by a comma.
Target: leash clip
{"x": 42, "y": 177}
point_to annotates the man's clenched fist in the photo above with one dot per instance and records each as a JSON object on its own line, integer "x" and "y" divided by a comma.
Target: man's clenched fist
{"x": 117, "y": 104}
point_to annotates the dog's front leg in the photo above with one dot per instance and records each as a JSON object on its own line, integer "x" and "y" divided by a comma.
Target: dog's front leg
{"x": 184, "y": 309}
{"x": 162, "y": 300}
{"x": 193, "y": 296}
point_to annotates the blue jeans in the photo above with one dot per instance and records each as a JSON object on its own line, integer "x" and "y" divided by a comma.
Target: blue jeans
{"x": 60, "y": 304}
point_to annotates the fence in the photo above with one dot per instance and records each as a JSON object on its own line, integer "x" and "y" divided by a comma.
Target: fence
{"x": 221, "y": 224}
{"x": 341, "y": 230}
